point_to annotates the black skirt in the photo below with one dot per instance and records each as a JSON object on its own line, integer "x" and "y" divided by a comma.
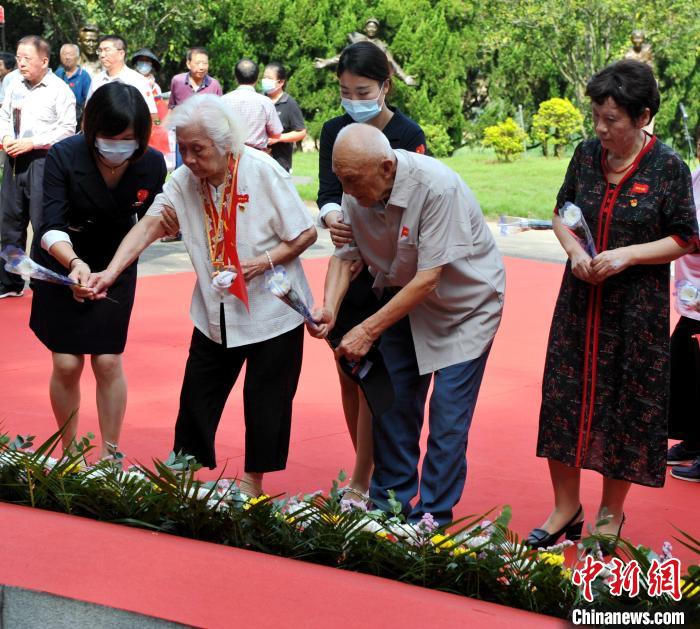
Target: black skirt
{"x": 359, "y": 302}
{"x": 67, "y": 326}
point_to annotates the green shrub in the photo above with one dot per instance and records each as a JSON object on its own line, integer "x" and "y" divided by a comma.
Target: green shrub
{"x": 438, "y": 140}
{"x": 506, "y": 138}
{"x": 556, "y": 123}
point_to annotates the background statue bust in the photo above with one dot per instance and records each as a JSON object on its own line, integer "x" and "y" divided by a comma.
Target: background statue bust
{"x": 640, "y": 50}
{"x": 370, "y": 31}
{"x": 88, "y": 36}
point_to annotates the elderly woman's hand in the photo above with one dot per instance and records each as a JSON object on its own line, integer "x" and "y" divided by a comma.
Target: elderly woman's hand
{"x": 610, "y": 262}
{"x": 341, "y": 234}
{"x": 100, "y": 282}
{"x": 355, "y": 344}
{"x": 324, "y": 323}
{"x": 581, "y": 266}
{"x": 81, "y": 274}
{"x": 254, "y": 267}
{"x": 168, "y": 219}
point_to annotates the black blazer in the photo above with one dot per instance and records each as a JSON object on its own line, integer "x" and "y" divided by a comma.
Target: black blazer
{"x": 78, "y": 202}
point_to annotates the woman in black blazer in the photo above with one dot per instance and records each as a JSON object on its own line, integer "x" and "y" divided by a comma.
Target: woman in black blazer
{"x": 96, "y": 186}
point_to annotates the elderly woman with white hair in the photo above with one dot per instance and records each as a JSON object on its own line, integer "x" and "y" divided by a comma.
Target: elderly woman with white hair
{"x": 239, "y": 214}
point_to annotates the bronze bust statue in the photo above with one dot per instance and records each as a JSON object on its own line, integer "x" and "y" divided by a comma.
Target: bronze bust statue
{"x": 370, "y": 31}
{"x": 88, "y": 36}
{"x": 640, "y": 50}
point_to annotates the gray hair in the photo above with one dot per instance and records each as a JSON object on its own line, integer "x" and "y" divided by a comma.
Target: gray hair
{"x": 218, "y": 121}
{"x": 75, "y": 46}
{"x": 366, "y": 139}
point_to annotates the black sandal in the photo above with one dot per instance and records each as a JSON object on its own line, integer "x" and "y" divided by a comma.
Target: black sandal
{"x": 540, "y": 538}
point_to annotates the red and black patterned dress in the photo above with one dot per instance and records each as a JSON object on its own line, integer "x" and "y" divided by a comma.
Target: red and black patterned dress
{"x": 606, "y": 377}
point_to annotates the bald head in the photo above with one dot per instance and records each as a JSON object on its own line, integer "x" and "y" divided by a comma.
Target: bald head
{"x": 364, "y": 162}
{"x": 361, "y": 144}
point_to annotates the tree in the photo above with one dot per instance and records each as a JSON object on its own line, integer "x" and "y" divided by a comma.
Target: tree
{"x": 577, "y": 38}
{"x": 556, "y": 123}
{"x": 507, "y": 140}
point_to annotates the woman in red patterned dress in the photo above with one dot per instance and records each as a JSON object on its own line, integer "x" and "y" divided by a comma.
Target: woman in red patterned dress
{"x": 605, "y": 386}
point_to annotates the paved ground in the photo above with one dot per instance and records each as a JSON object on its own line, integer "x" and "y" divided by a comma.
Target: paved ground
{"x": 537, "y": 245}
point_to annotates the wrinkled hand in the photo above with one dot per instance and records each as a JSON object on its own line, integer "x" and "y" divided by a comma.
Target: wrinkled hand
{"x": 100, "y": 282}
{"x": 610, "y": 262}
{"x": 168, "y": 219}
{"x": 254, "y": 267}
{"x": 81, "y": 274}
{"x": 18, "y": 147}
{"x": 324, "y": 323}
{"x": 341, "y": 234}
{"x": 355, "y": 344}
{"x": 581, "y": 266}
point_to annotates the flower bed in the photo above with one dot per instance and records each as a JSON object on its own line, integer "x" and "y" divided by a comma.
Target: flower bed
{"x": 472, "y": 557}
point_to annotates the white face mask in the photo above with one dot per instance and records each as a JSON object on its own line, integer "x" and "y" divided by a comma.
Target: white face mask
{"x": 268, "y": 85}
{"x": 116, "y": 152}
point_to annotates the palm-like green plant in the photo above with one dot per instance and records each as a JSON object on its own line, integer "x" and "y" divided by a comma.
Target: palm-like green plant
{"x": 471, "y": 557}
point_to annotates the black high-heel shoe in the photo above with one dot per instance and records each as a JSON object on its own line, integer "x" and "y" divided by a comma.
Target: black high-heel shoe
{"x": 540, "y": 538}
{"x": 608, "y": 546}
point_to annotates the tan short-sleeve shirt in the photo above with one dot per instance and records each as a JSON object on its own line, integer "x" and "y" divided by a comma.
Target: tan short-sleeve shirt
{"x": 432, "y": 219}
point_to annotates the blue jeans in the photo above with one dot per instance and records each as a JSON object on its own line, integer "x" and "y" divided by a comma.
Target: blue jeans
{"x": 397, "y": 432}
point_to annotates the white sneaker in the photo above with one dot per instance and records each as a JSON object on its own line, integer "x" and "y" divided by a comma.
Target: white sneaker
{"x": 10, "y": 293}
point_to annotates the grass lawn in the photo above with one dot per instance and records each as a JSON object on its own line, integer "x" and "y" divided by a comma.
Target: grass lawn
{"x": 526, "y": 187}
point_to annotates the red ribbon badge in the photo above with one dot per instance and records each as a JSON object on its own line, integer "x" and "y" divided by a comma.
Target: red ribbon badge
{"x": 142, "y": 195}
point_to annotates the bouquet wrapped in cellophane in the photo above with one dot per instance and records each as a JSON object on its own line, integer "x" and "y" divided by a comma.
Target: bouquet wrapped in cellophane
{"x": 509, "y": 225}
{"x": 279, "y": 284}
{"x": 18, "y": 262}
{"x": 369, "y": 372}
{"x": 687, "y": 293}
{"x": 573, "y": 219}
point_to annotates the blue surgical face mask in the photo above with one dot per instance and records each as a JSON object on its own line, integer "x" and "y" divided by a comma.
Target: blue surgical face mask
{"x": 268, "y": 85}
{"x": 116, "y": 152}
{"x": 363, "y": 110}
{"x": 144, "y": 67}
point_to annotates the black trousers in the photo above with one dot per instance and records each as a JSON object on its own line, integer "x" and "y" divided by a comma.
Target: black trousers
{"x": 684, "y": 417}
{"x": 21, "y": 201}
{"x": 272, "y": 375}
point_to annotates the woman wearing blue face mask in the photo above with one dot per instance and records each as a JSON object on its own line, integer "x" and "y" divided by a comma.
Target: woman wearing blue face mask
{"x": 96, "y": 185}
{"x": 364, "y": 74}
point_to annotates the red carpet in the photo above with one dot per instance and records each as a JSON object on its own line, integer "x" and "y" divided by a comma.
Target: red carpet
{"x": 207, "y": 585}
{"x": 502, "y": 465}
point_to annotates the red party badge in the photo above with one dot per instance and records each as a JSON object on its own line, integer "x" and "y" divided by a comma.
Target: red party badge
{"x": 420, "y": 149}
{"x": 640, "y": 188}
{"x": 404, "y": 232}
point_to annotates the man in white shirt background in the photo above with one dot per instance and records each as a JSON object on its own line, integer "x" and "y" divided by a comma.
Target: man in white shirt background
{"x": 256, "y": 112}
{"x": 112, "y": 53}
{"x": 7, "y": 65}
{"x": 38, "y": 111}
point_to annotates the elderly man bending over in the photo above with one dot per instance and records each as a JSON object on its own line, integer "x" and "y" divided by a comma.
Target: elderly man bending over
{"x": 422, "y": 234}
